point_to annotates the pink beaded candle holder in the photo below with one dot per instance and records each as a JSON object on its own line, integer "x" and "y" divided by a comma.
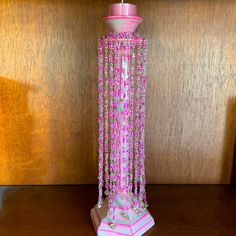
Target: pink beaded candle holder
{"x": 122, "y": 78}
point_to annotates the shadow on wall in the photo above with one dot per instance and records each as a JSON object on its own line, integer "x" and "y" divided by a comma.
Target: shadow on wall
{"x": 228, "y": 174}
{"x": 15, "y": 131}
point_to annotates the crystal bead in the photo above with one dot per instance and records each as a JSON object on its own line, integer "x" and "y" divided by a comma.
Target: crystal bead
{"x": 125, "y": 215}
{"x": 113, "y": 226}
{"x": 99, "y": 205}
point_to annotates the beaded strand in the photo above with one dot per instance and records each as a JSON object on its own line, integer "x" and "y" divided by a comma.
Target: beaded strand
{"x": 100, "y": 121}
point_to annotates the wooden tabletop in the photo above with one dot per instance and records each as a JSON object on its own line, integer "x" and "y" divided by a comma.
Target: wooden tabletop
{"x": 64, "y": 210}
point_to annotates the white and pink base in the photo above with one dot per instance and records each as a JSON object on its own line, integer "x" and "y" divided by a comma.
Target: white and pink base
{"x": 130, "y": 220}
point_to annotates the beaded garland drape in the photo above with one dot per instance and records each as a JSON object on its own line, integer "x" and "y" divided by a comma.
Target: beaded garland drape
{"x": 122, "y": 62}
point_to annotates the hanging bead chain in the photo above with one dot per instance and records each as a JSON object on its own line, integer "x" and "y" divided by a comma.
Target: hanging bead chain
{"x": 100, "y": 121}
{"x": 116, "y": 103}
{"x": 115, "y": 127}
{"x": 112, "y": 134}
{"x": 144, "y": 118}
{"x": 124, "y": 111}
{"x": 137, "y": 121}
{"x": 106, "y": 117}
{"x": 131, "y": 118}
{"x": 142, "y": 194}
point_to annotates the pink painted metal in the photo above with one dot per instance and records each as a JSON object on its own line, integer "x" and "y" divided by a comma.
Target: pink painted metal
{"x": 122, "y": 9}
{"x": 122, "y": 60}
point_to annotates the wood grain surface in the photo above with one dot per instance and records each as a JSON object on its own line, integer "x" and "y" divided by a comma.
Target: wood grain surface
{"x": 64, "y": 210}
{"x": 48, "y": 90}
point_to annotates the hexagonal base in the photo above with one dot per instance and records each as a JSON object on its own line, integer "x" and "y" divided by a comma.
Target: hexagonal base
{"x": 136, "y": 223}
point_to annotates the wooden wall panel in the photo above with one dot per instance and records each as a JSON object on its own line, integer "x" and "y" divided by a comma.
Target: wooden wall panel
{"x": 48, "y": 79}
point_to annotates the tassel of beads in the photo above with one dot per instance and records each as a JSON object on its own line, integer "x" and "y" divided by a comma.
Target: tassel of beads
{"x": 109, "y": 98}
